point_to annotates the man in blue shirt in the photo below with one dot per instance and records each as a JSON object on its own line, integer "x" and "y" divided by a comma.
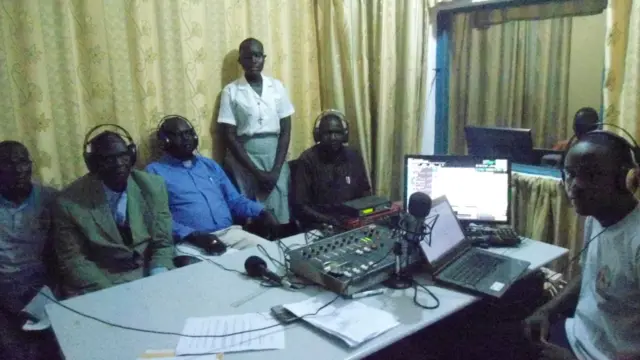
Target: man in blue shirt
{"x": 112, "y": 225}
{"x": 24, "y": 230}
{"x": 202, "y": 199}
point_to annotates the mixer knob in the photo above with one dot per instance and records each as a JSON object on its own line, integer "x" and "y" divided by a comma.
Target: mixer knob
{"x": 356, "y": 270}
{"x": 366, "y": 249}
{"x": 364, "y": 267}
{"x": 347, "y": 274}
{"x": 371, "y": 263}
{"x": 359, "y": 252}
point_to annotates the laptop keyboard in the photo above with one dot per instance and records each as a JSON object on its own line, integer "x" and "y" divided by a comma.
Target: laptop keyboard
{"x": 474, "y": 267}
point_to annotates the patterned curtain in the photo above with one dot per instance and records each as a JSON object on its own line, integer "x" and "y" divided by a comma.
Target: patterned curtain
{"x": 67, "y": 65}
{"x": 514, "y": 74}
{"x": 622, "y": 65}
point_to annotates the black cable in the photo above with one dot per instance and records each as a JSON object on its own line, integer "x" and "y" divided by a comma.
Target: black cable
{"x": 426, "y": 289}
{"x": 416, "y": 285}
{"x": 131, "y": 328}
{"x": 577, "y": 256}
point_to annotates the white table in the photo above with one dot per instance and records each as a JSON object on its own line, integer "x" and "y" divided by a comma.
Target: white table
{"x": 163, "y": 302}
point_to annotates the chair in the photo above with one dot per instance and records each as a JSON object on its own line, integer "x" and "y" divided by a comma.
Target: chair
{"x": 294, "y": 224}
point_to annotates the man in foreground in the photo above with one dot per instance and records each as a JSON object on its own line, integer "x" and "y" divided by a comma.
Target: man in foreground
{"x": 202, "y": 200}
{"x": 606, "y": 297}
{"x": 329, "y": 173}
{"x": 112, "y": 225}
{"x": 24, "y": 244}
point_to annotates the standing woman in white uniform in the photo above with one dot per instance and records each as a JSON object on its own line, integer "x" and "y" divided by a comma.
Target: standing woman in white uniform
{"x": 255, "y": 117}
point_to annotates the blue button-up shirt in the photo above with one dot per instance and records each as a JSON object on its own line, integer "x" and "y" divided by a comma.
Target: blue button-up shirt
{"x": 23, "y": 232}
{"x": 117, "y": 204}
{"x": 201, "y": 196}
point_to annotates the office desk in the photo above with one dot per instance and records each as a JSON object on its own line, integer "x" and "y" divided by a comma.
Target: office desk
{"x": 164, "y": 301}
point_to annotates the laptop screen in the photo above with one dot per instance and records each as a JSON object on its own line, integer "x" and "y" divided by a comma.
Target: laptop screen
{"x": 446, "y": 233}
{"x": 477, "y": 188}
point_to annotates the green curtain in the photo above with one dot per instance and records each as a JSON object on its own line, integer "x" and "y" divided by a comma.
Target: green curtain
{"x": 514, "y": 74}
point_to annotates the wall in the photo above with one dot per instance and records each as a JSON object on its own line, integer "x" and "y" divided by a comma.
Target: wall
{"x": 587, "y": 63}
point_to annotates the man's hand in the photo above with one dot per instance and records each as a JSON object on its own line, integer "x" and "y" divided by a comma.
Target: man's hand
{"x": 536, "y": 326}
{"x": 550, "y": 351}
{"x": 203, "y": 240}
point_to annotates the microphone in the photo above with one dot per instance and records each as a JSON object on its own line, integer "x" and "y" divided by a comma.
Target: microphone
{"x": 419, "y": 209}
{"x": 257, "y": 268}
{"x": 414, "y": 223}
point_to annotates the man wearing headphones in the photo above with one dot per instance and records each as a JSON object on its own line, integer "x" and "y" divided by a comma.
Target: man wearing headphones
{"x": 24, "y": 257}
{"x": 202, "y": 199}
{"x": 112, "y": 225}
{"x": 255, "y": 118}
{"x": 328, "y": 173}
{"x": 606, "y": 297}
{"x": 584, "y": 121}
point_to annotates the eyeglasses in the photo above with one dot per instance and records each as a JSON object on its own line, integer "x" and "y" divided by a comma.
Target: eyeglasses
{"x": 114, "y": 160}
{"x": 590, "y": 175}
{"x": 20, "y": 166}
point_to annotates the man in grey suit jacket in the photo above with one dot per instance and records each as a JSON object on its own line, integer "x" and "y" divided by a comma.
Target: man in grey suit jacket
{"x": 112, "y": 225}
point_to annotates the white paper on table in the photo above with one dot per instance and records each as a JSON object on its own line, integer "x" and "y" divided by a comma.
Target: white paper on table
{"x": 35, "y": 309}
{"x": 349, "y": 320}
{"x": 268, "y": 334}
{"x": 171, "y": 355}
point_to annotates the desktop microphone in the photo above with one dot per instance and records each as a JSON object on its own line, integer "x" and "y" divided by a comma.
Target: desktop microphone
{"x": 413, "y": 228}
{"x": 257, "y": 268}
{"x": 419, "y": 209}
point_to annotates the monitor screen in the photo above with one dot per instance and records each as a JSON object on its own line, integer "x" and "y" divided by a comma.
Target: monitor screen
{"x": 446, "y": 233}
{"x": 477, "y": 188}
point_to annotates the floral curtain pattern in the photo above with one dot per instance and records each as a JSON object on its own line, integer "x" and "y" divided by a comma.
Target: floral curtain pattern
{"x": 68, "y": 65}
{"x": 622, "y": 66}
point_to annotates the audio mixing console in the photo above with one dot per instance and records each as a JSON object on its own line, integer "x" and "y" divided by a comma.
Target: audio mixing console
{"x": 349, "y": 262}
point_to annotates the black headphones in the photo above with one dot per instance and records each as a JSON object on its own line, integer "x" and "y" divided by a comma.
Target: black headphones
{"x": 164, "y": 140}
{"x": 632, "y": 146}
{"x": 88, "y": 154}
{"x": 339, "y": 115}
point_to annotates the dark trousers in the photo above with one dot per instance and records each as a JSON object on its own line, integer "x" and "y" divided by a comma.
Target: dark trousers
{"x": 16, "y": 344}
{"x": 558, "y": 335}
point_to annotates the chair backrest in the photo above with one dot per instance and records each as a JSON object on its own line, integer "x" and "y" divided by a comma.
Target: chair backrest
{"x": 293, "y": 168}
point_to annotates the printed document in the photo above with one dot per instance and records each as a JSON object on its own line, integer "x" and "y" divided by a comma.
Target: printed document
{"x": 349, "y": 320}
{"x": 232, "y": 333}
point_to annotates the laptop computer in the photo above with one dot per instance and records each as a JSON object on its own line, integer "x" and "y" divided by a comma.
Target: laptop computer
{"x": 456, "y": 262}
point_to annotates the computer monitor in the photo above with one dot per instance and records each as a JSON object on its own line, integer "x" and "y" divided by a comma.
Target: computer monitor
{"x": 500, "y": 142}
{"x": 477, "y": 188}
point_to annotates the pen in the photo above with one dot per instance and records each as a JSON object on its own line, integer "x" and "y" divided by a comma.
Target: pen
{"x": 367, "y": 293}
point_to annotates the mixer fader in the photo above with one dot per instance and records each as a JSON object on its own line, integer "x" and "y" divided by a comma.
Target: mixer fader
{"x": 349, "y": 262}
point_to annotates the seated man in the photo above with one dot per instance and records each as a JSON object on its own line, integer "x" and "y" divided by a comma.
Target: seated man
{"x": 584, "y": 121}
{"x": 112, "y": 225}
{"x": 328, "y": 173}
{"x": 201, "y": 197}
{"x": 24, "y": 233}
{"x": 606, "y": 297}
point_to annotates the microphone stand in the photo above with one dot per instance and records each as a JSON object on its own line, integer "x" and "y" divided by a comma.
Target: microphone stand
{"x": 401, "y": 278}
